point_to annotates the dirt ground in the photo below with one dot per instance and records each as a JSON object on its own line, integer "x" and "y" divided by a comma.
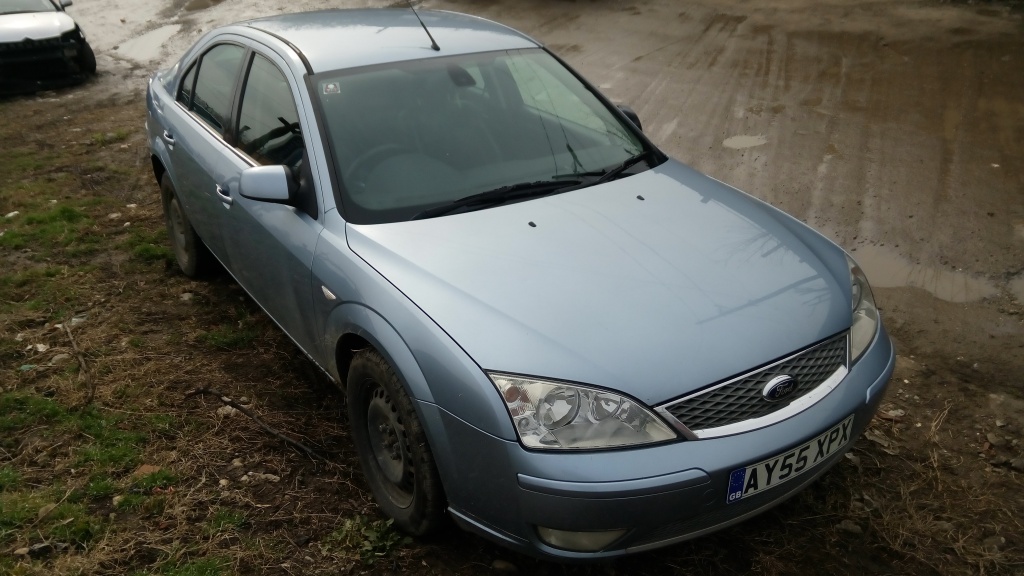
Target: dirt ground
{"x": 894, "y": 127}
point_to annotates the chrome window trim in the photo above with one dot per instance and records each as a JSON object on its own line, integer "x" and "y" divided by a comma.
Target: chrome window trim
{"x": 799, "y": 405}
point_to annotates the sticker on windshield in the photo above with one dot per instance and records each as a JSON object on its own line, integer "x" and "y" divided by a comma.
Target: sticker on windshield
{"x": 332, "y": 88}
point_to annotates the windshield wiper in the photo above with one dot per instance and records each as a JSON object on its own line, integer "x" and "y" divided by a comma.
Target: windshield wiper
{"x": 610, "y": 173}
{"x": 500, "y": 196}
{"x": 628, "y": 163}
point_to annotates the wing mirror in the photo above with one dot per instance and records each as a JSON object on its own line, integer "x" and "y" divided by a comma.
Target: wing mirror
{"x": 268, "y": 183}
{"x": 631, "y": 114}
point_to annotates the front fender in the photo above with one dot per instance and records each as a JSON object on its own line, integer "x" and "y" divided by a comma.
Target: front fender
{"x": 353, "y": 318}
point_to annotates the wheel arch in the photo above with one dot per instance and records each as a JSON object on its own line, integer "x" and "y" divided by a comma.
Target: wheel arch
{"x": 352, "y": 327}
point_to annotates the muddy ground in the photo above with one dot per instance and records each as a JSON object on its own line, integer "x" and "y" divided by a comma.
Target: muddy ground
{"x": 895, "y": 127}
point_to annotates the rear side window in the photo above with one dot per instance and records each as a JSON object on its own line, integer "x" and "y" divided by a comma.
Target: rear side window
{"x": 268, "y": 125}
{"x": 215, "y": 85}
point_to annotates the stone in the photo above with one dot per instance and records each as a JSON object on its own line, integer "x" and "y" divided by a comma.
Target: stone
{"x": 60, "y": 359}
{"x": 226, "y": 411}
{"x": 236, "y": 463}
{"x": 45, "y": 511}
{"x": 186, "y": 297}
{"x": 1017, "y": 464}
{"x": 224, "y": 482}
{"x": 849, "y": 526}
{"x": 21, "y": 552}
{"x": 995, "y": 439}
{"x": 999, "y": 461}
{"x": 145, "y": 470}
{"x": 993, "y": 543}
{"x": 504, "y": 566}
{"x": 117, "y": 500}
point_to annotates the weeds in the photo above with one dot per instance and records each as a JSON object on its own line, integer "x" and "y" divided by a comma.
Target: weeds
{"x": 368, "y": 540}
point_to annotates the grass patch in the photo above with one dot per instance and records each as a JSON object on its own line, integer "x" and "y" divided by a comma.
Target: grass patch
{"x": 10, "y": 478}
{"x": 224, "y": 520}
{"x": 230, "y": 337}
{"x": 105, "y": 138}
{"x": 106, "y": 447}
{"x": 100, "y": 486}
{"x": 200, "y": 567}
{"x": 158, "y": 479}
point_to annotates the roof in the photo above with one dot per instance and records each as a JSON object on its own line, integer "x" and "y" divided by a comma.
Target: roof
{"x": 336, "y": 39}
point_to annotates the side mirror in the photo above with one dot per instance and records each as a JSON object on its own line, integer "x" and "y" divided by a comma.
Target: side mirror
{"x": 267, "y": 183}
{"x": 631, "y": 114}
{"x": 65, "y": 3}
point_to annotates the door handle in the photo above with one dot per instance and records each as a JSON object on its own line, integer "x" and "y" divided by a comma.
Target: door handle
{"x": 225, "y": 197}
{"x": 169, "y": 139}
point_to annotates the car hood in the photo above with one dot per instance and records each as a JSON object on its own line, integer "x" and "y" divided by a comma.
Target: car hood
{"x": 656, "y": 284}
{"x": 34, "y": 26}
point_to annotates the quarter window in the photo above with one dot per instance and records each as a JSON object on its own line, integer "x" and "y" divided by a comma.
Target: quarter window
{"x": 268, "y": 125}
{"x": 215, "y": 85}
{"x": 185, "y": 93}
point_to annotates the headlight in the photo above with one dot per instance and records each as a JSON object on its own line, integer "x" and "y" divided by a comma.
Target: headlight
{"x": 558, "y": 416}
{"x": 865, "y": 314}
{"x": 75, "y": 35}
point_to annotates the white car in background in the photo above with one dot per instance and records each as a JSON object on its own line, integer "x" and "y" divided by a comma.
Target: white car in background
{"x": 41, "y": 45}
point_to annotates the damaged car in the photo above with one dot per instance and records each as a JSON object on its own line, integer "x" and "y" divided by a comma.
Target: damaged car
{"x": 41, "y": 45}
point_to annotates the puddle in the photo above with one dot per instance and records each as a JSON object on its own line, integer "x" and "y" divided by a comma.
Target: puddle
{"x": 147, "y": 47}
{"x": 201, "y": 4}
{"x": 1016, "y": 287}
{"x": 740, "y": 142}
{"x": 885, "y": 268}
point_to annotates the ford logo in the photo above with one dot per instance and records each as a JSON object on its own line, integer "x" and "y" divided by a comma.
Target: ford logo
{"x": 778, "y": 388}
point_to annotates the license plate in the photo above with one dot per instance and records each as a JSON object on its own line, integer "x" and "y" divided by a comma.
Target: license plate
{"x": 754, "y": 479}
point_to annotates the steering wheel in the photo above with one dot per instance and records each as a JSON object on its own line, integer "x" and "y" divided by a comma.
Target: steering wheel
{"x": 370, "y": 159}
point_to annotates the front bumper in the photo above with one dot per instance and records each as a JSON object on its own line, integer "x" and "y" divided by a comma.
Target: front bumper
{"x": 32, "y": 64}
{"x": 660, "y": 495}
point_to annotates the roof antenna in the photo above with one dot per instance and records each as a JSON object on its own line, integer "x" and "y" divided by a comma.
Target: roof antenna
{"x": 433, "y": 43}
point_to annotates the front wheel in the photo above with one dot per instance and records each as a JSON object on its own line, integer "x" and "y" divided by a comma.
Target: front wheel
{"x": 392, "y": 446}
{"x": 87, "y": 59}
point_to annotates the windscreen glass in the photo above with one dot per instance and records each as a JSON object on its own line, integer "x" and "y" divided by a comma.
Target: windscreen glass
{"x": 22, "y": 6}
{"x": 411, "y": 136}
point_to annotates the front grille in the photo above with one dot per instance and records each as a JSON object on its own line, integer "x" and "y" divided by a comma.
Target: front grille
{"x": 31, "y": 45}
{"x": 741, "y": 398}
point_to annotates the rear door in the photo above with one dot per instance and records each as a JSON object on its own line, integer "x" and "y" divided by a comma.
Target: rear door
{"x": 196, "y": 129}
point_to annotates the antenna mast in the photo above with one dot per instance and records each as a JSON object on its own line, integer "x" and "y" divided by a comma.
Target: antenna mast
{"x": 433, "y": 43}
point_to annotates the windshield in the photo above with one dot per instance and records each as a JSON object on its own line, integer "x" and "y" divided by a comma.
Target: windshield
{"x": 411, "y": 136}
{"x": 21, "y": 6}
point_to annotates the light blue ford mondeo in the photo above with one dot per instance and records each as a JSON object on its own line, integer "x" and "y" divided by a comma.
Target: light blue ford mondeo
{"x": 546, "y": 329}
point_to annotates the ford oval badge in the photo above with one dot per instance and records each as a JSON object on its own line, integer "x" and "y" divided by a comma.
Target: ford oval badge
{"x": 778, "y": 388}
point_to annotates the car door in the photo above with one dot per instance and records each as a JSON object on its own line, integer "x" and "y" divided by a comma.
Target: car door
{"x": 271, "y": 245}
{"x": 195, "y": 130}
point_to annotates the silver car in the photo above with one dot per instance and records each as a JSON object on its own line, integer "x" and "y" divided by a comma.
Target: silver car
{"x": 546, "y": 330}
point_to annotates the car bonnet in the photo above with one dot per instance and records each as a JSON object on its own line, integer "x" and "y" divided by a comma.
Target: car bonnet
{"x": 656, "y": 284}
{"x": 34, "y": 26}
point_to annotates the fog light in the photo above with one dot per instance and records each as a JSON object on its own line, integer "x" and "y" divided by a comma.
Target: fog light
{"x": 578, "y": 541}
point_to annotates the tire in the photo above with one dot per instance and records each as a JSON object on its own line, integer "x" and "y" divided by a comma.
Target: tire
{"x": 393, "y": 449}
{"x": 189, "y": 251}
{"x": 87, "y": 60}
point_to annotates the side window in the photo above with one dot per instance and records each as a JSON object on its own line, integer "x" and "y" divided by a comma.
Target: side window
{"x": 215, "y": 84}
{"x": 268, "y": 125}
{"x": 185, "y": 93}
